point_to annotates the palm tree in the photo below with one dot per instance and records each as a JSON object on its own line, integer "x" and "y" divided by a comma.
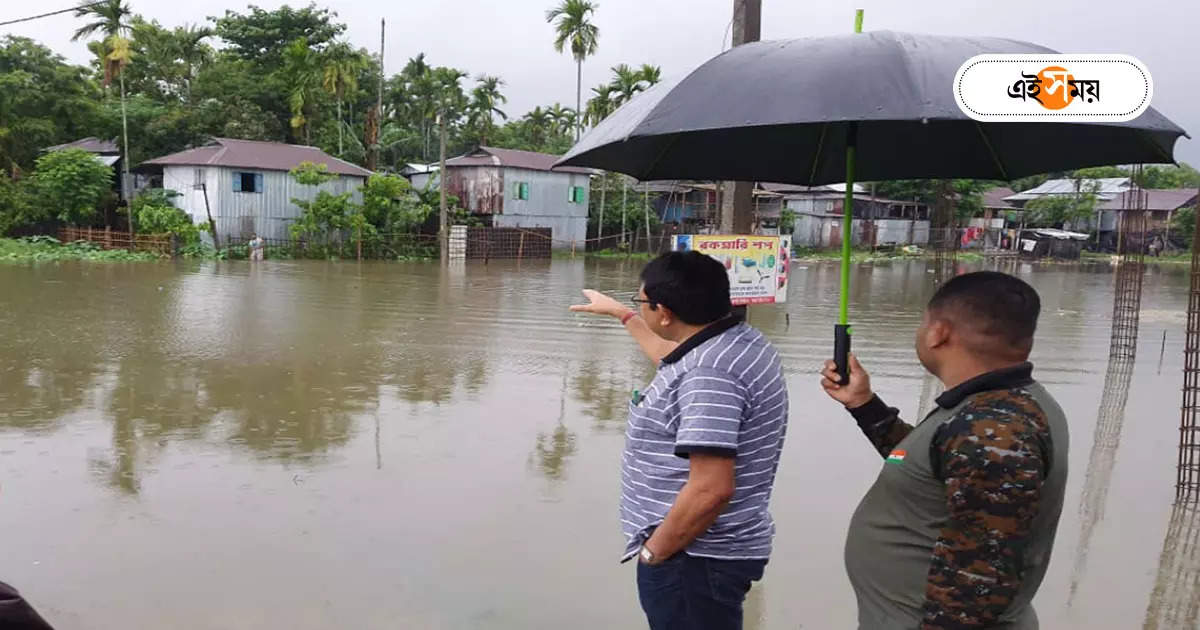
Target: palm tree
{"x": 650, "y": 74}
{"x": 485, "y": 101}
{"x": 626, "y": 83}
{"x": 562, "y": 118}
{"x": 112, "y": 19}
{"x": 340, "y": 75}
{"x": 303, "y": 72}
{"x": 600, "y": 105}
{"x": 538, "y": 121}
{"x": 572, "y": 26}
{"x": 192, "y": 51}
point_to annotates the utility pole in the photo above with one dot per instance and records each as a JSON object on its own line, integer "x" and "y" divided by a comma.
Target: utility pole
{"x": 126, "y": 180}
{"x": 737, "y": 204}
{"x": 373, "y": 150}
{"x": 444, "y": 220}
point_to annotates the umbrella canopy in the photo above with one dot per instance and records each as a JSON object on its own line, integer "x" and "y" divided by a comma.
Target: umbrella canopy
{"x": 780, "y": 111}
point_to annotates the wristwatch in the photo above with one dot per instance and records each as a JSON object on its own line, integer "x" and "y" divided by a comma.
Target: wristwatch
{"x": 646, "y": 555}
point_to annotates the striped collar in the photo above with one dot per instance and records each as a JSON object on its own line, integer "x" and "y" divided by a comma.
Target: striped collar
{"x": 691, "y": 343}
{"x": 1006, "y": 378}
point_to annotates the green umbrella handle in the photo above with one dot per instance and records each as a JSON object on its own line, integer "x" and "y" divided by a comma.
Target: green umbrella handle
{"x": 841, "y": 351}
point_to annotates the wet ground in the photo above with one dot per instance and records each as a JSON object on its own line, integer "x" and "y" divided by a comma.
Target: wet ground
{"x": 318, "y": 445}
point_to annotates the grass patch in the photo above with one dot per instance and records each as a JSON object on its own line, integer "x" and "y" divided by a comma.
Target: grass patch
{"x": 1180, "y": 258}
{"x": 49, "y": 249}
{"x": 604, "y": 253}
{"x": 804, "y": 254}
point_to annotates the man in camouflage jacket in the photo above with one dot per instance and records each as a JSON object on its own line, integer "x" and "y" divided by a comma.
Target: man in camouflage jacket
{"x": 957, "y": 530}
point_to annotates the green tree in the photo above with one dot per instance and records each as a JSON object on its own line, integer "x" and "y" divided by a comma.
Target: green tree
{"x": 303, "y": 73}
{"x": 327, "y": 212}
{"x": 418, "y": 95}
{"x": 71, "y": 184}
{"x": 156, "y": 214}
{"x": 1183, "y": 224}
{"x": 261, "y": 36}
{"x": 651, "y": 74}
{"x": 626, "y": 83}
{"x": 43, "y": 101}
{"x": 18, "y": 206}
{"x": 1100, "y": 172}
{"x": 1171, "y": 176}
{"x": 342, "y": 64}
{"x": 562, "y": 119}
{"x": 112, "y": 19}
{"x": 600, "y": 106}
{"x": 967, "y": 193}
{"x": 485, "y": 103}
{"x": 392, "y": 206}
{"x": 1059, "y": 210}
{"x": 636, "y": 210}
{"x": 193, "y": 53}
{"x": 573, "y": 28}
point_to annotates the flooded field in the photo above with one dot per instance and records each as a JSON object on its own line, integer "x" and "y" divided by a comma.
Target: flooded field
{"x": 333, "y": 445}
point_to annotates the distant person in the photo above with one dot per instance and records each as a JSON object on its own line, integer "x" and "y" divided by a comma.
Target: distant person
{"x": 1156, "y": 246}
{"x": 257, "y": 247}
{"x": 16, "y": 613}
{"x": 958, "y": 528}
{"x": 702, "y": 445}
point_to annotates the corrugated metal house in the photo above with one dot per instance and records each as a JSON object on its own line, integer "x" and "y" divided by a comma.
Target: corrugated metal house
{"x": 876, "y": 221}
{"x": 106, "y": 151}
{"x": 246, "y": 183}
{"x": 1113, "y": 197}
{"x": 522, "y": 189}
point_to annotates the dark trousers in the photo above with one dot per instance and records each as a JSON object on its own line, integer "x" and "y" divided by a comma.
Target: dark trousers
{"x": 16, "y": 613}
{"x": 687, "y": 593}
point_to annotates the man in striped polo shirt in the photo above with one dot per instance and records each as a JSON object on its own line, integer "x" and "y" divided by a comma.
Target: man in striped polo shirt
{"x": 702, "y": 445}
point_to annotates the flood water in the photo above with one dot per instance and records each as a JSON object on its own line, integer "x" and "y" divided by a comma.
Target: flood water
{"x": 333, "y": 445}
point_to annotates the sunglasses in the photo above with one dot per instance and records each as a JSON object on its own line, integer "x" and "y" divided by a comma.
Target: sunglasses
{"x": 637, "y": 300}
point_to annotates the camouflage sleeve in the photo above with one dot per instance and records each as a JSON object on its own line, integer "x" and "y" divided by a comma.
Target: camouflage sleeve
{"x": 881, "y": 424}
{"x": 992, "y": 456}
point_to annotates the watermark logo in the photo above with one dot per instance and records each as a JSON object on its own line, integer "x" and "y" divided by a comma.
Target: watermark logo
{"x": 1053, "y": 88}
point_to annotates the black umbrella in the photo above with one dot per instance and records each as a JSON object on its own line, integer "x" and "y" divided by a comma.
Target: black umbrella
{"x": 805, "y": 110}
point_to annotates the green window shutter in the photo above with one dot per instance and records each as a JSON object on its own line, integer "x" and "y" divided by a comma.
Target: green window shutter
{"x": 237, "y": 182}
{"x": 516, "y": 190}
{"x": 525, "y": 190}
{"x": 258, "y": 182}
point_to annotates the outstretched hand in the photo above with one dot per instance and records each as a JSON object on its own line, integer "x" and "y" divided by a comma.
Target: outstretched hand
{"x": 854, "y": 394}
{"x": 600, "y": 304}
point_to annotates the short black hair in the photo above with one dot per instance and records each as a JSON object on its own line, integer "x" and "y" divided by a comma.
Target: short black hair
{"x": 694, "y": 286}
{"x": 994, "y": 304}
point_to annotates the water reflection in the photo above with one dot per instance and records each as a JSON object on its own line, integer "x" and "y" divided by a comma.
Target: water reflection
{"x": 554, "y": 449}
{"x": 604, "y": 394}
{"x": 1175, "y": 599}
{"x": 1103, "y": 458}
{"x": 399, "y": 391}
{"x": 224, "y": 355}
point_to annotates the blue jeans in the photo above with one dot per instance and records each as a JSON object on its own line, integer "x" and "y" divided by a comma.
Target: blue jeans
{"x": 689, "y": 593}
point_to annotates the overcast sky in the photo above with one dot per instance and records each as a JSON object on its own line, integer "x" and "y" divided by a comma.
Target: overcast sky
{"x": 510, "y": 38}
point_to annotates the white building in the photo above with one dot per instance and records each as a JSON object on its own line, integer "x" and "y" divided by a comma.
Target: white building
{"x": 521, "y": 189}
{"x": 246, "y": 185}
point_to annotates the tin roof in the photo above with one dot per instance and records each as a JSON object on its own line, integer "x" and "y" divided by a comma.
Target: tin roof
{"x": 512, "y": 158}
{"x": 1109, "y": 187}
{"x": 995, "y": 198}
{"x": 1061, "y": 235}
{"x": 267, "y": 156}
{"x": 798, "y": 188}
{"x": 89, "y": 144}
{"x": 1156, "y": 199}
